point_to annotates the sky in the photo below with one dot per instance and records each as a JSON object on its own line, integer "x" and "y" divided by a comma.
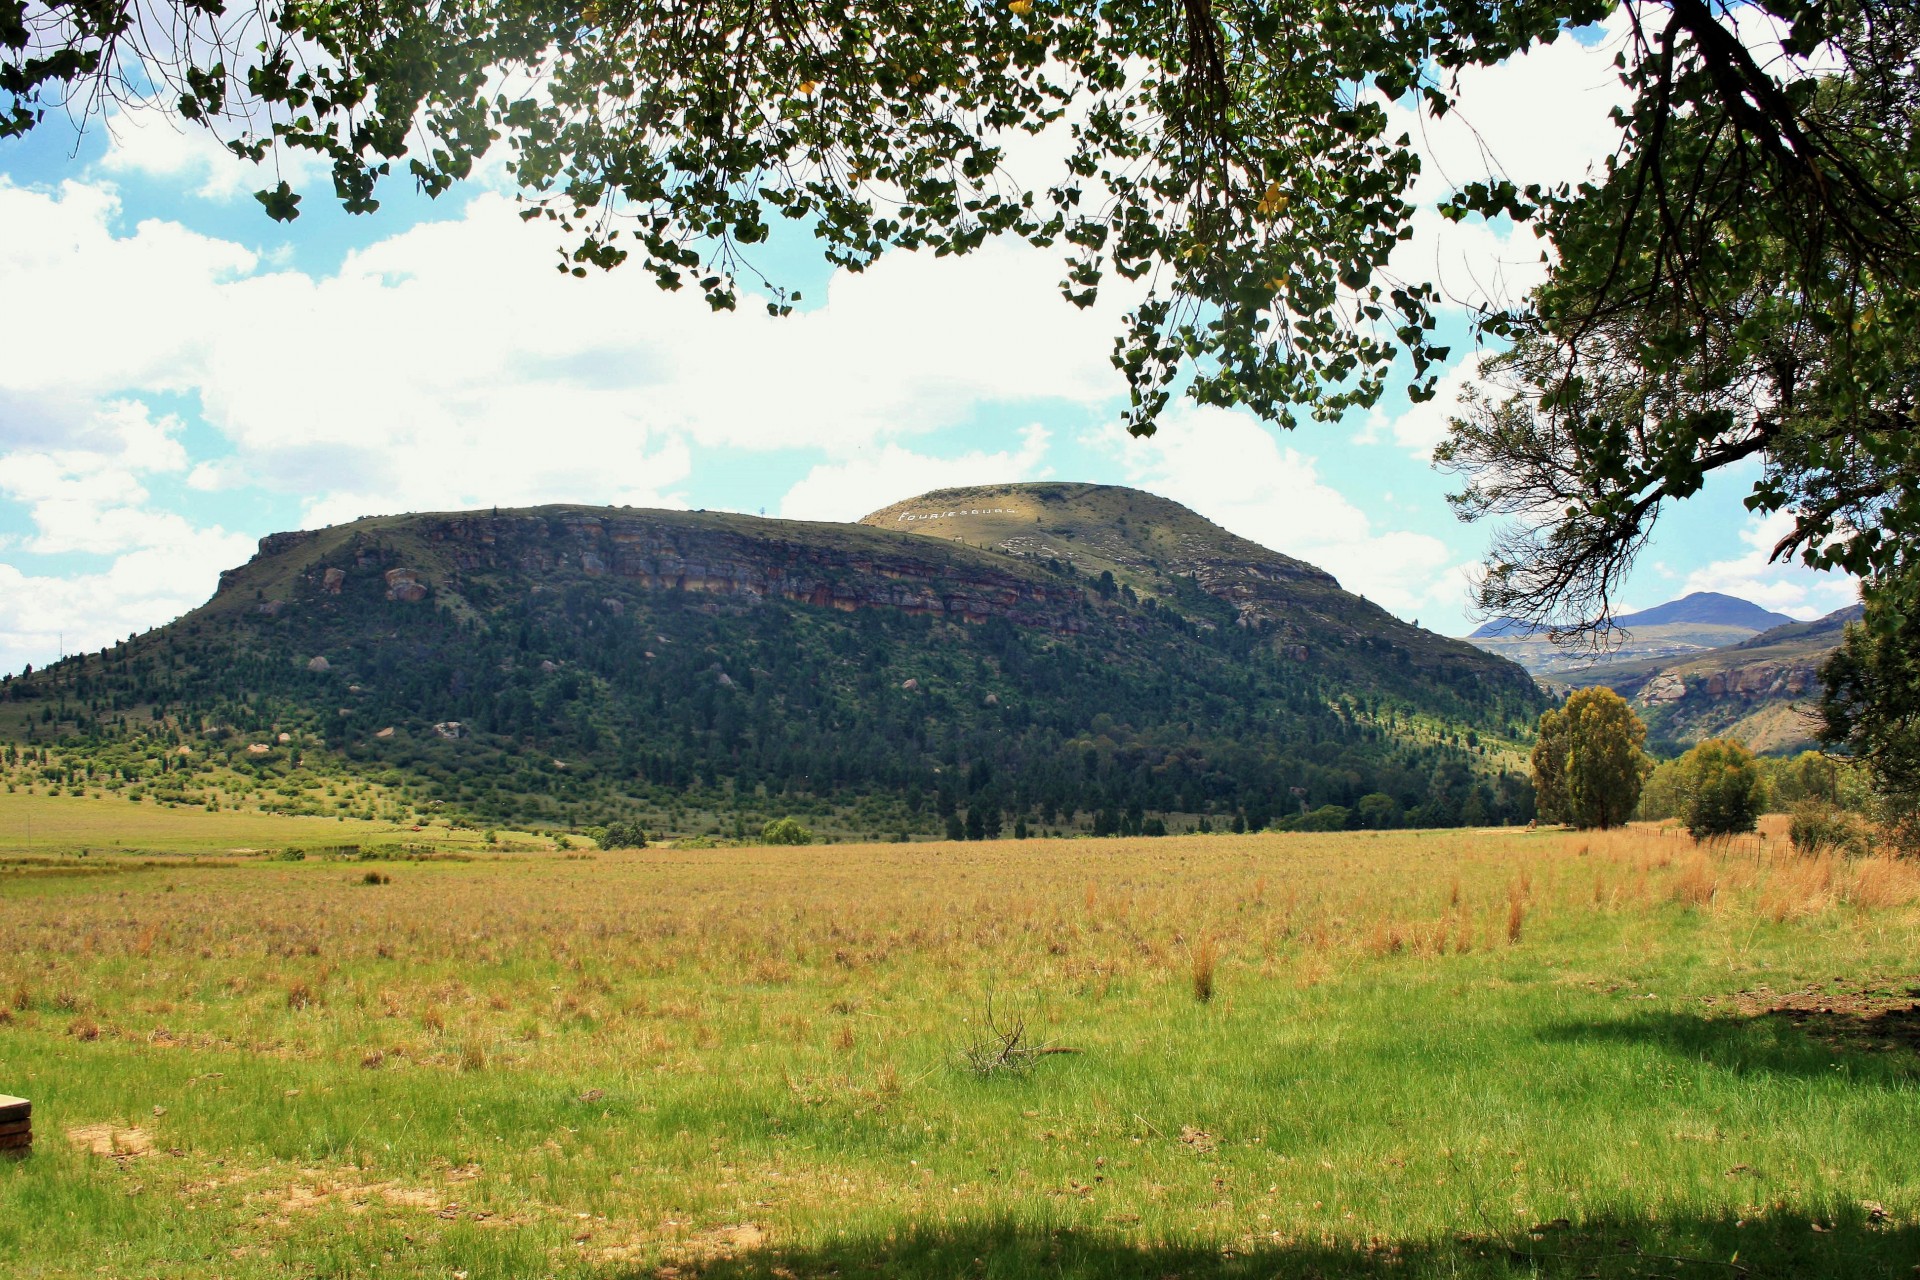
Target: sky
{"x": 184, "y": 376}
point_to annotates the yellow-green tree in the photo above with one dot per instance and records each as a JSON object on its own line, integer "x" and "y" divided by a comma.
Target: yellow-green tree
{"x": 1725, "y": 793}
{"x": 1588, "y": 762}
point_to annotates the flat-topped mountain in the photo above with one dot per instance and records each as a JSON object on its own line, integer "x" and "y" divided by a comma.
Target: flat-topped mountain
{"x": 570, "y": 665}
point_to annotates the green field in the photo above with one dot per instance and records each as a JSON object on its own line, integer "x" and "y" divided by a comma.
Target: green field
{"x": 1425, "y": 1054}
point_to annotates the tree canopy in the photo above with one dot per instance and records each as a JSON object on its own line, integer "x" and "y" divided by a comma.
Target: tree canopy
{"x": 1234, "y": 158}
{"x": 1871, "y": 704}
{"x": 1588, "y": 762}
{"x": 1743, "y": 283}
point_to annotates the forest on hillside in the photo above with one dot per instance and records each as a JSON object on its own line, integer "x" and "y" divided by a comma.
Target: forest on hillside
{"x": 571, "y": 708}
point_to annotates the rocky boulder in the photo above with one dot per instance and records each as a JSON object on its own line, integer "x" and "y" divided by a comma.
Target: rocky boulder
{"x": 406, "y": 586}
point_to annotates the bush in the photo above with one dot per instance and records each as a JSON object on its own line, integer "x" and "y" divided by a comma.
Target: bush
{"x": 1328, "y": 817}
{"x": 1377, "y": 811}
{"x": 623, "y": 835}
{"x": 785, "y": 831}
{"x": 1666, "y": 792}
{"x": 1820, "y": 827}
{"x": 1724, "y": 792}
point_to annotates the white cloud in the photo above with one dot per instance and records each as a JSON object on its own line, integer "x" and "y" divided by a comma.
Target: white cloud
{"x": 1419, "y": 427}
{"x": 871, "y": 478}
{"x": 1233, "y": 470}
{"x": 86, "y": 496}
{"x": 111, "y": 313}
{"x": 40, "y": 614}
{"x": 1791, "y": 589}
{"x": 1539, "y": 117}
{"x": 451, "y": 366}
{"x": 153, "y": 141}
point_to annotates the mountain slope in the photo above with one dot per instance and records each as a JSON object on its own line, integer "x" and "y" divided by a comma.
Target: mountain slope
{"x": 1157, "y": 550}
{"x": 570, "y": 665}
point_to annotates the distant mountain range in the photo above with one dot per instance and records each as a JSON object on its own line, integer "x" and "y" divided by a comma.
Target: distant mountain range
{"x": 1708, "y": 608}
{"x": 1693, "y": 624}
{"x": 1702, "y": 665}
{"x": 1760, "y": 690}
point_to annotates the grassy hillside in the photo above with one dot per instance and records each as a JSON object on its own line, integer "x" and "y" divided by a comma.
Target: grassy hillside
{"x": 565, "y": 666}
{"x": 1137, "y": 545}
{"x": 1462, "y": 1054}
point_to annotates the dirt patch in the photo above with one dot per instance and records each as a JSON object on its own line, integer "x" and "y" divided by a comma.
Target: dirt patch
{"x": 1874, "y": 1017}
{"x": 303, "y": 1196}
{"x": 716, "y": 1245}
{"x": 112, "y": 1141}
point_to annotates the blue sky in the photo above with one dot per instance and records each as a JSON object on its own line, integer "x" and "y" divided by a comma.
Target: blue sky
{"x": 196, "y": 376}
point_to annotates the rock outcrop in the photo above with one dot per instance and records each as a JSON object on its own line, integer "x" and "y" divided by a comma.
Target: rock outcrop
{"x": 660, "y": 555}
{"x": 405, "y": 585}
{"x": 1753, "y": 682}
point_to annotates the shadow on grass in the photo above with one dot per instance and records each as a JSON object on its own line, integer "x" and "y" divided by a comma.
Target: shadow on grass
{"x": 1878, "y": 1045}
{"x": 1858, "y": 1245}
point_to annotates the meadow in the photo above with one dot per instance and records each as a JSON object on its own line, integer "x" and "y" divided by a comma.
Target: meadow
{"x": 1428, "y": 1053}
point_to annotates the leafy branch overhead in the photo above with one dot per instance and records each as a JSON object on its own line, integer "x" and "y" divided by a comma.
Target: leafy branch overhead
{"x": 1742, "y": 283}
{"x": 1739, "y": 282}
{"x": 1233, "y": 158}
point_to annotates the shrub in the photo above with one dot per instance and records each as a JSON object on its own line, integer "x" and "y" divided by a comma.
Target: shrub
{"x": 1328, "y": 817}
{"x": 1206, "y": 957}
{"x": 785, "y": 831}
{"x": 623, "y": 835}
{"x": 1378, "y": 810}
{"x": 1819, "y": 827}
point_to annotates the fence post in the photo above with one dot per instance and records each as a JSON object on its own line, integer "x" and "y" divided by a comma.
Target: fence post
{"x": 16, "y": 1126}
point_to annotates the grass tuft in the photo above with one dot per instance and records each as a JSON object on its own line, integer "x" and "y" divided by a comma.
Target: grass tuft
{"x": 1206, "y": 956}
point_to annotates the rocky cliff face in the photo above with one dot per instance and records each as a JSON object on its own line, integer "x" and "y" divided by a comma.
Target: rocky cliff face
{"x": 443, "y": 555}
{"x": 1753, "y": 681}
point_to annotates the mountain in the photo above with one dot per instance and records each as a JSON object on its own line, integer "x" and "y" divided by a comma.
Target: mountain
{"x": 1696, "y": 623}
{"x": 1758, "y": 690}
{"x": 1113, "y": 656}
{"x": 1708, "y": 608}
{"x": 1156, "y": 549}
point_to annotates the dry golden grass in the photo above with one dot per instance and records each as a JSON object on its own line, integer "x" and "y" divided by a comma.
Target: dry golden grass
{"x": 669, "y": 1045}
{"x": 460, "y": 955}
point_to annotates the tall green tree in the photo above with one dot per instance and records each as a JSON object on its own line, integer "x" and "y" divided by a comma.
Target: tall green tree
{"x": 1551, "y": 745}
{"x": 1588, "y": 761}
{"x": 1725, "y": 793}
